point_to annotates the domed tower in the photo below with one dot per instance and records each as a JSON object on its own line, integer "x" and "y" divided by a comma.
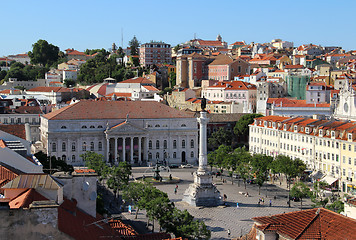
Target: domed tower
{"x": 219, "y": 38}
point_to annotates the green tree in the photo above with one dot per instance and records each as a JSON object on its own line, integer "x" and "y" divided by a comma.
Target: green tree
{"x": 177, "y": 47}
{"x": 300, "y": 190}
{"x": 220, "y": 154}
{"x": 133, "y": 193}
{"x": 220, "y": 137}
{"x": 134, "y": 44}
{"x": 118, "y": 177}
{"x": 260, "y": 167}
{"x": 241, "y": 128}
{"x": 172, "y": 79}
{"x": 3, "y": 73}
{"x": 337, "y": 206}
{"x": 69, "y": 82}
{"x": 43, "y": 53}
{"x": 96, "y": 162}
{"x": 54, "y": 164}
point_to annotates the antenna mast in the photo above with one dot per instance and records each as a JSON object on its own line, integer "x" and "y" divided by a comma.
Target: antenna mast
{"x": 122, "y": 39}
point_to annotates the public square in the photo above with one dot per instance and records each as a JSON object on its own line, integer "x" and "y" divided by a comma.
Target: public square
{"x": 220, "y": 219}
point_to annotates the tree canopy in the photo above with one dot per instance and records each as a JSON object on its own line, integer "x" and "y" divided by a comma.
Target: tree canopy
{"x": 220, "y": 137}
{"x": 43, "y": 53}
{"x": 241, "y": 128}
{"x": 134, "y": 45}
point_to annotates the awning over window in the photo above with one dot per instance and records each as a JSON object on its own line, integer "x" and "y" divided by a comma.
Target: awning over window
{"x": 329, "y": 180}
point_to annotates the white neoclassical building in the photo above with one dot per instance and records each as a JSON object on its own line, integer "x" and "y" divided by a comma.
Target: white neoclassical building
{"x": 134, "y": 131}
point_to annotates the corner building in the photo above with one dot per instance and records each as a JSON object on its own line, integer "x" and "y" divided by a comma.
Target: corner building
{"x": 325, "y": 145}
{"x": 137, "y": 132}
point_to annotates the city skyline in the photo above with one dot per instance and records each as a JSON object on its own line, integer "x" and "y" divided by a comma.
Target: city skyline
{"x": 88, "y": 25}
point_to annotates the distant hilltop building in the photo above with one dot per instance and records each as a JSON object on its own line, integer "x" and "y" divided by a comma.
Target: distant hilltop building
{"x": 154, "y": 53}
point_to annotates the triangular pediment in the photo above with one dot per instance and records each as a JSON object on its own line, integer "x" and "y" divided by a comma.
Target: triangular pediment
{"x": 125, "y": 127}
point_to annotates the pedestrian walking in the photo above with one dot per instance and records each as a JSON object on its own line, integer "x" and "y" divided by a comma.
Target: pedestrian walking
{"x": 270, "y": 202}
{"x": 228, "y": 232}
{"x": 175, "y": 190}
{"x": 177, "y": 187}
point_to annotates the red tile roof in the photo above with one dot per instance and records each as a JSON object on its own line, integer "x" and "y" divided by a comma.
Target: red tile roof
{"x": 293, "y": 66}
{"x": 141, "y": 80}
{"x": 48, "y": 89}
{"x": 151, "y": 88}
{"x": 286, "y": 102}
{"x": 86, "y": 109}
{"x": 16, "y": 130}
{"x": 317, "y": 223}
{"x": 26, "y": 198}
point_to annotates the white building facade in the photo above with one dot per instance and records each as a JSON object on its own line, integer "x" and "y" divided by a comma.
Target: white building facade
{"x": 133, "y": 131}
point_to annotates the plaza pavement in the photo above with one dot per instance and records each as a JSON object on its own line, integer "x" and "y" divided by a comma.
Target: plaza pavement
{"x": 220, "y": 219}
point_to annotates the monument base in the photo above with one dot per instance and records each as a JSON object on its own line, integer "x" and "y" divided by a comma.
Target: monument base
{"x": 202, "y": 193}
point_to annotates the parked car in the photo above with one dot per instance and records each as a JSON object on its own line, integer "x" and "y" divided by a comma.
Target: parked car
{"x": 173, "y": 166}
{"x": 186, "y": 165}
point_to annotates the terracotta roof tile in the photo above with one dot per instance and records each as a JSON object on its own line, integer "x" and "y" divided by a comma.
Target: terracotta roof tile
{"x": 86, "y": 109}
{"x": 141, "y": 80}
{"x": 16, "y": 130}
{"x": 25, "y": 199}
{"x": 317, "y": 223}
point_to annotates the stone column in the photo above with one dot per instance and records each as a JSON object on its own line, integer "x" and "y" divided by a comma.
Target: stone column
{"x": 107, "y": 148}
{"x": 115, "y": 150}
{"x": 203, "y": 158}
{"x": 146, "y": 148}
{"x": 131, "y": 149}
{"x": 139, "y": 149}
{"x": 124, "y": 149}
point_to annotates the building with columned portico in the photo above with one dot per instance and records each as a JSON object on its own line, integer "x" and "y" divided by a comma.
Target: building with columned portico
{"x": 134, "y": 131}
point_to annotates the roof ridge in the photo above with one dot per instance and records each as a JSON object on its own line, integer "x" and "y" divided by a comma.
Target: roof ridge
{"x": 317, "y": 214}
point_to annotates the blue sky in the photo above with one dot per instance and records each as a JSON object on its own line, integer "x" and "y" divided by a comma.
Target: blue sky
{"x": 97, "y": 24}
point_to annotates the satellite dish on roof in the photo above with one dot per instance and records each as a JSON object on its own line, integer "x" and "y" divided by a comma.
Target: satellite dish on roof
{"x": 93, "y": 196}
{"x": 86, "y": 186}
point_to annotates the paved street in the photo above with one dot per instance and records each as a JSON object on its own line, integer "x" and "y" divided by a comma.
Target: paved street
{"x": 219, "y": 219}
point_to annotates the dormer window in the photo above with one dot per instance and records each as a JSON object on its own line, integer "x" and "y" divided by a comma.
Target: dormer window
{"x": 270, "y": 124}
{"x": 274, "y": 125}
{"x": 295, "y": 128}
{"x": 307, "y": 130}
{"x": 285, "y": 127}
{"x": 349, "y": 136}
{"x": 302, "y": 129}
{"x": 321, "y": 132}
{"x": 327, "y": 133}
{"x": 333, "y": 133}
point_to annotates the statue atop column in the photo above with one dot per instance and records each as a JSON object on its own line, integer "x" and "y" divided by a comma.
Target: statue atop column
{"x": 203, "y": 104}
{"x": 202, "y": 192}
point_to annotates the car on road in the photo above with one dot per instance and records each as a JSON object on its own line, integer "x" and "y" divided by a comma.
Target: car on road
{"x": 186, "y": 166}
{"x": 173, "y": 166}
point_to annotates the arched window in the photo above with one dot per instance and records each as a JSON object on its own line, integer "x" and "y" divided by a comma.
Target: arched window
{"x": 174, "y": 155}
{"x": 100, "y": 146}
{"x": 149, "y": 156}
{"x": 174, "y": 143}
{"x": 157, "y": 144}
{"x": 63, "y": 127}
{"x": 157, "y": 125}
{"x": 192, "y": 143}
{"x": 91, "y": 146}
{"x": 54, "y": 147}
{"x": 165, "y": 144}
{"x": 73, "y": 158}
{"x": 157, "y": 155}
{"x": 63, "y": 146}
{"x": 73, "y": 146}
{"x": 100, "y": 126}
{"x": 183, "y": 143}
{"x": 64, "y": 158}
{"x": 84, "y": 147}
{"x": 92, "y": 126}
{"x": 191, "y": 154}
{"x": 84, "y": 126}
{"x": 150, "y": 144}
{"x": 183, "y": 125}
